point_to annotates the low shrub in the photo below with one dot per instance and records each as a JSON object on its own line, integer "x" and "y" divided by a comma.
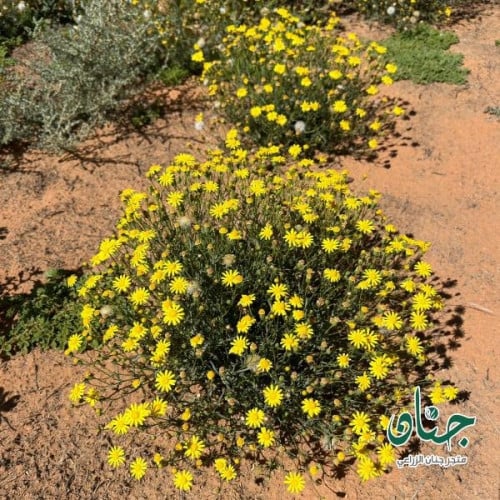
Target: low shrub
{"x": 244, "y": 314}
{"x": 44, "y": 318}
{"x": 287, "y": 83}
{"x": 403, "y": 14}
{"x": 422, "y": 56}
{"x": 78, "y": 76}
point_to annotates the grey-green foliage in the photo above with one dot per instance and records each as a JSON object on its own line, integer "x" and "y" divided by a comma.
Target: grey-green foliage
{"x": 422, "y": 56}
{"x": 77, "y": 76}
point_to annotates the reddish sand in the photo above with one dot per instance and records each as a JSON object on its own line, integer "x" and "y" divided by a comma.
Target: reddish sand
{"x": 441, "y": 185}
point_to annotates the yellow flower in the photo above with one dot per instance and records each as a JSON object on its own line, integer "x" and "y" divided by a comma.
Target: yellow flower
{"x": 197, "y": 340}
{"x": 74, "y": 343}
{"x": 77, "y": 392}
{"x": 241, "y": 92}
{"x": 198, "y": 56}
{"x": 437, "y": 395}
{"x": 179, "y": 285}
{"x": 231, "y": 278}
{"x": 110, "y": 333}
{"x": 360, "y": 422}
{"x": 418, "y": 321}
{"x": 255, "y": 418}
{"x": 279, "y": 308}
{"x": 339, "y": 106}
{"x": 166, "y": 178}
{"x": 245, "y": 323}
{"x": 136, "y": 414}
{"x": 232, "y": 141}
{"x": 366, "y": 468}
{"x": 172, "y": 268}
{"x": 423, "y": 269}
{"x": 266, "y": 437}
{"x": 294, "y": 482}
{"x": 391, "y": 68}
{"x": 345, "y": 125}
{"x": 278, "y": 291}
{"x": 138, "y": 468}
{"x": 372, "y": 277}
{"x": 175, "y": 199}
{"x": 294, "y": 150}
{"x": 343, "y": 360}
{"x": 116, "y": 456}
{"x": 183, "y": 480}
{"x": 304, "y": 239}
{"x": 332, "y": 275}
{"x": 392, "y": 321}
{"x": 165, "y": 380}
{"x": 264, "y": 365}
{"x": 413, "y": 345}
{"x": 219, "y": 210}
{"x": 255, "y": 111}
{"x": 289, "y": 342}
{"x": 118, "y": 425}
{"x": 335, "y": 74}
{"x": 246, "y": 300}
{"x": 379, "y": 366}
{"x": 194, "y": 448}
{"x": 173, "y": 313}
{"x": 311, "y": 407}
{"x": 273, "y": 395}
{"x": 279, "y": 68}
{"x": 158, "y": 407}
{"x": 296, "y": 301}
{"x": 239, "y": 345}
{"x": 363, "y": 381}
{"x": 228, "y": 473}
{"x": 387, "y": 80}
{"x": 266, "y": 233}
{"x": 304, "y": 330}
{"x": 71, "y": 280}
{"x": 257, "y": 187}
{"x": 386, "y": 454}
{"x": 281, "y": 120}
{"x": 365, "y": 226}
{"x": 306, "y": 82}
{"x": 450, "y": 393}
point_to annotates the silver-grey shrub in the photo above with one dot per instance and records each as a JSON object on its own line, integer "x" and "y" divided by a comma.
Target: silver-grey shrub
{"x": 75, "y": 77}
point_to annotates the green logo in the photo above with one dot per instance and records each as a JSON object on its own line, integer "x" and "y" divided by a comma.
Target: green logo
{"x": 407, "y": 423}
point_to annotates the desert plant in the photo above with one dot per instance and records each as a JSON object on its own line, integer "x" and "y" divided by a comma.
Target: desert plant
{"x": 422, "y": 56}
{"x": 80, "y": 75}
{"x": 245, "y": 313}
{"x": 44, "y": 318}
{"x": 403, "y": 14}
{"x": 286, "y": 83}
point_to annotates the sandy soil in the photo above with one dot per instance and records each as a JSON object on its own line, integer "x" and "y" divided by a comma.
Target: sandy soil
{"x": 440, "y": 182}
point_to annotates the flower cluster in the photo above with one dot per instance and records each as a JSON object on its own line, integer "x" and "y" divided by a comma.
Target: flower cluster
{"x": 246, "y": 310}
{"x": 403, "y": 14}
{"x": 315, "y": 87}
